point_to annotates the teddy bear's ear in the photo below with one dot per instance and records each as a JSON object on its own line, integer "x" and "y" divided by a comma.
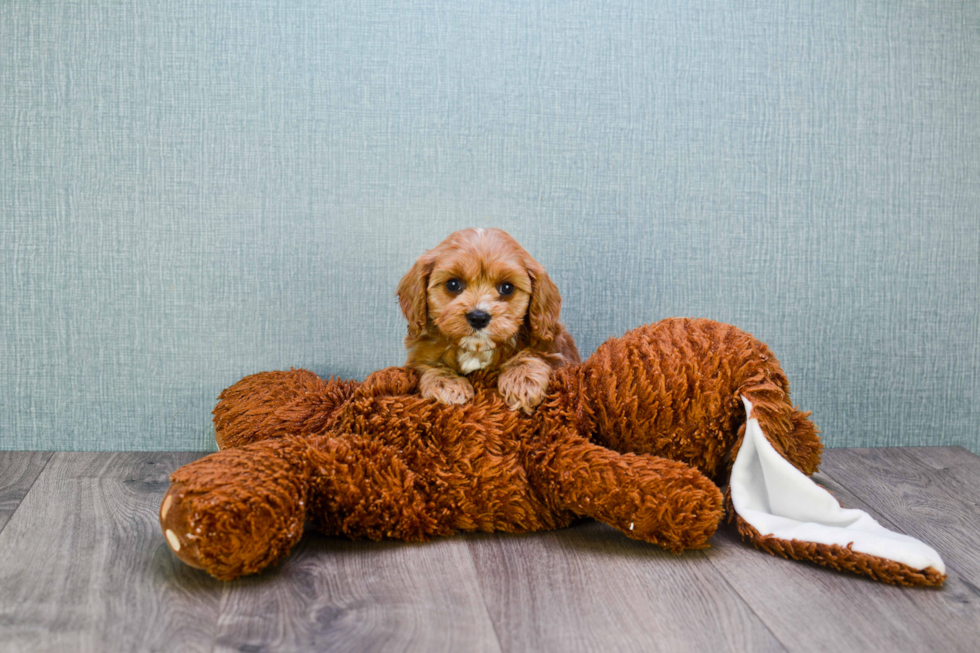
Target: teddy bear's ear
{"x": 781, "y": 510}
{"x": 412, "y": 294}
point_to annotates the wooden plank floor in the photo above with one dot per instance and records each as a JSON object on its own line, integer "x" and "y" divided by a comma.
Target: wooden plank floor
{"x": 83, "y": 567}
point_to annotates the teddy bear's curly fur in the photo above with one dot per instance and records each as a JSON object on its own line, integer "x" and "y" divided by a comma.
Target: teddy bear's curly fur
{"x": 639, "y": 436}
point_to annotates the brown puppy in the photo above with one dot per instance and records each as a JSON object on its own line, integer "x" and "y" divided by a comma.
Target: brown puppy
{"x": 479, "y": 301}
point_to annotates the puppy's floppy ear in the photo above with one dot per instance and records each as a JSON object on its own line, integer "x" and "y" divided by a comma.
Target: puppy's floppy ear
{"x": 412, "y": 294}
{"x": 545, "y": 305}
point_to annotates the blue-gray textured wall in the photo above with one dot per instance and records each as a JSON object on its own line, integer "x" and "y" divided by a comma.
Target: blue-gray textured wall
{"x": 194, "y": 191}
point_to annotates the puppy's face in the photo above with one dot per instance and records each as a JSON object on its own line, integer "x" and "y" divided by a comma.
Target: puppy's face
{"x": 477, "y": 288}
{"x": 478, "y": 294}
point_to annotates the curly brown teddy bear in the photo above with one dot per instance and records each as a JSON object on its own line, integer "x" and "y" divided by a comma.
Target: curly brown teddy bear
{"x": 639, "y": 436}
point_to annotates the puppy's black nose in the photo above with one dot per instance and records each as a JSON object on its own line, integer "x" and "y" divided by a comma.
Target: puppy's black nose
{"x": 478, "y": 319}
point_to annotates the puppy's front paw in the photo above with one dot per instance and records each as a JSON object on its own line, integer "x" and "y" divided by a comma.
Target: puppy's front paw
{"x": 446, "y": 388}
{"x": 523, "y": 386}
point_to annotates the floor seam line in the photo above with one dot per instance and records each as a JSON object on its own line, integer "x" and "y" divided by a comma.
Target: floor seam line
{"x": 483, "y": 598}
{"x": 741, "y": 598}
{"x": 29, "y": 490}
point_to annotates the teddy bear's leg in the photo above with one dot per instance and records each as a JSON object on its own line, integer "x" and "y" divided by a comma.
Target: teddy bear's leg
{"x": 646, "y": 497}
{"x": 239, "y": 510}
{"x": 365, "y": 488}
{"x": 274, "y": 404}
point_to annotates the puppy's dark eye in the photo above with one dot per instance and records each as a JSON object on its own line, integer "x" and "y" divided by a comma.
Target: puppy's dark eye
{"x": 506, "y": 288}
{"x": 454, "y": 285}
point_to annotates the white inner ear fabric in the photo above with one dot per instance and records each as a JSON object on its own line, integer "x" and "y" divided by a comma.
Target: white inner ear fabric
{"x": 779, "y": 500}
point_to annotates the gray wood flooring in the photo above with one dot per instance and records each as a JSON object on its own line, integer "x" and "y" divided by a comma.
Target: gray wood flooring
{"x": 83, "y": 567}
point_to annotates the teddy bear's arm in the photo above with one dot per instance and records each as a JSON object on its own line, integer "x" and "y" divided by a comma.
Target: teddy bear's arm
{"x": 646, "y": 497}
{"x": 277, "y": 404}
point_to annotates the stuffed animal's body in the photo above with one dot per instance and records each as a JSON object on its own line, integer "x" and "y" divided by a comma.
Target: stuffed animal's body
{"x": 637, "y": 437}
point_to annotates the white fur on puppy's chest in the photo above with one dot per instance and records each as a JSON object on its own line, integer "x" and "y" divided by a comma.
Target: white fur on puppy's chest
{"x": 470, "y": 361}
{"x": 475, "y": 353}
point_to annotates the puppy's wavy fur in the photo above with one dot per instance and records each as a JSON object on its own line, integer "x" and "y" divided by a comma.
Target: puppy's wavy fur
{"x": 469, "y": 272}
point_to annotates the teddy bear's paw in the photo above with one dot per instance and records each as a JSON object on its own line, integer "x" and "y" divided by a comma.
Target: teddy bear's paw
{"x": 684, "y": 519}
{"x": 446, "y": 388}
{"x": 523, "y": 386}
{"x": 664, "y": 502}
{"x": 175, "y": 523}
